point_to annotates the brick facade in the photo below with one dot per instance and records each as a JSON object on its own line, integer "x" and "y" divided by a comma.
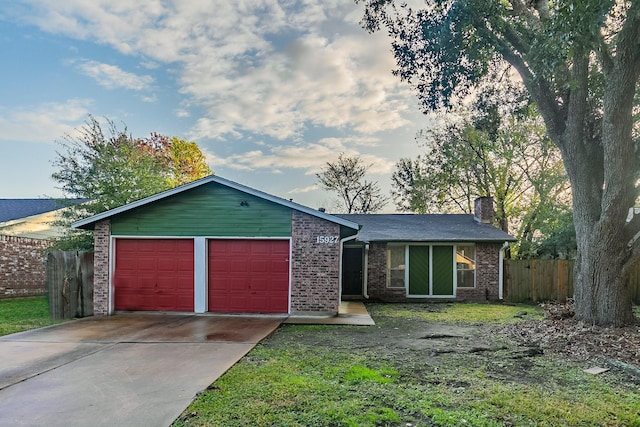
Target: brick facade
{"x": 315, "y": 267}
{"x": 102, "y": 239}
{"x": 22, "y": 267}
{"x": 377, "y": 276}
{"x": 487, "y": 276}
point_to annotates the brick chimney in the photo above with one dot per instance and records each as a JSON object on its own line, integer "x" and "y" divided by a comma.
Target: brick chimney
{"x": 483, "y": 210}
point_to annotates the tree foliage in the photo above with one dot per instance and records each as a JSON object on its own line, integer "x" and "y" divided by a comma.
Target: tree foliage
{"x": 346, "y": 176}
{"x": 113, "y": 169}
{"x": 498, "y": 148}
{"x": 580, "y": 62}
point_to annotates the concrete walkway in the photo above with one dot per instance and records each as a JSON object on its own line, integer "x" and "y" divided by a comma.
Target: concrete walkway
{"x": 123, "y": 370}
{"x": 349, "y": 313}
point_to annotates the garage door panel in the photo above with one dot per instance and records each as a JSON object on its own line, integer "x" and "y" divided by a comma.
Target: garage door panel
{"x": 184, "y": 265}
{"x": 154, "y": 274}
{"x": 249, "y": 276}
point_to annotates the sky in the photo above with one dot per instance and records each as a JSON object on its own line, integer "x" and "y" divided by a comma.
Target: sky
{"x": 270, "y": 90}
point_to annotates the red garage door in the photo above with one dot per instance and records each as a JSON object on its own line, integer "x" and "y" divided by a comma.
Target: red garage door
{"x": 154, "y": 274}
{"x": 249, "y": 276}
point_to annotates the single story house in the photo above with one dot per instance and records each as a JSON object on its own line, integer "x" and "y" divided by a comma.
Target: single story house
{"x": 32, "y": 218}
{"x": 26, "y": 231}
{"x": 214, "y": 245}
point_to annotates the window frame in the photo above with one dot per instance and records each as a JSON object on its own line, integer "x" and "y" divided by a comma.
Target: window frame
{"x": 461, "y": 270}
{"x": 402, "y": 267}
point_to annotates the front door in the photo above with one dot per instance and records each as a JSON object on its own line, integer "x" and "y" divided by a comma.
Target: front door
{"x": 352, "y": 271}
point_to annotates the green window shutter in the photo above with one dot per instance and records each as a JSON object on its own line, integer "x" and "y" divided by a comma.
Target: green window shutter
{"x": 418, "y": 270}
{"x": 443, "y": 270}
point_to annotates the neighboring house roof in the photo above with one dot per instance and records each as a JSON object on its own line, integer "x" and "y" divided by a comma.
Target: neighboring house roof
{"x": 88, "y": 223}
{"x": 425, "y": 228}
{"x": 32, "y": 218}
{"x": 11, "y": 209}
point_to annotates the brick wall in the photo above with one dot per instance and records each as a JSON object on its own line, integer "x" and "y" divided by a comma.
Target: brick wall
{"x": 487, "y": 275}
{"x": 22, "y": 267}
{"x": 315, "y": 267}
{"x": 377, "y": 276}
{"x": 101, "y": 241}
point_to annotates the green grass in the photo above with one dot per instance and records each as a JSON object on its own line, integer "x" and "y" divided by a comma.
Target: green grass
{"x": 353, "y": 376}
{"x": 21, "y": 314}
{"x": 464, "y": 313}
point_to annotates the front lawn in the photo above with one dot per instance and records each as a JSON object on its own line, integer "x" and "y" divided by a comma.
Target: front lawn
{"x": 21, "y": 314}
{"x": 421, "y": 365}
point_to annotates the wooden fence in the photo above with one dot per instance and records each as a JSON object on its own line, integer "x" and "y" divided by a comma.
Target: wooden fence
{"x": 70, "y": 284}
{"x": 536, "y": 280}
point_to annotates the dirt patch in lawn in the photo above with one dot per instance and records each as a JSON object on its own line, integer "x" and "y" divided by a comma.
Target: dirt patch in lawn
{"x": 512, "y": 352}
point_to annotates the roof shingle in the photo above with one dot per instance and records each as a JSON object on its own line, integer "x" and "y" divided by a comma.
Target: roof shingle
{"x": 425, "y": 228}
{"x": 11, "y": 209}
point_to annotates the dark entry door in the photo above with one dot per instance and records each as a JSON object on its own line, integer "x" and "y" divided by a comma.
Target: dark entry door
{"x": 352, "y": 271}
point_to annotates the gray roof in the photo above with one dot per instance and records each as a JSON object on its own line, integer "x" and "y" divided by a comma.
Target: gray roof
{"x": 11, "y": 209}
{"x": 425, "y": 228}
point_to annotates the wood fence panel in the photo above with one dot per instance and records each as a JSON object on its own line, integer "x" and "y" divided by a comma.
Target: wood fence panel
{"x": 538, "y": 280}
{"x": 634, "y": 284}
{"x": 85, "y": 298}
{"x": 70, "y": 284}
{"x": 517, "y": 284}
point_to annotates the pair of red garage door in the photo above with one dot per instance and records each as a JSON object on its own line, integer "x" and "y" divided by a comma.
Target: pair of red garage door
{"x": 244, "y": 276}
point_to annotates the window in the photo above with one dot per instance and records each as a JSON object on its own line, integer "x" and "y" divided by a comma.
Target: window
{"x": 395, "y": 266}
{"x": 466, "y": 265}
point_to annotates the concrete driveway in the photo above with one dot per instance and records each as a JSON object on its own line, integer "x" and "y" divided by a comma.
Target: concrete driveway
{"x": 123, "y": 370}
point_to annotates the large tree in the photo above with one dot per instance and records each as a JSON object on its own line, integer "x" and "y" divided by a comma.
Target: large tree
{"x": 580, "y": 62}
{"x": 112, "y": 169}
{"x": 346, "y": 177}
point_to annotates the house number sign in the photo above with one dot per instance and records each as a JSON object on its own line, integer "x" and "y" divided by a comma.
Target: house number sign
{"x": 327, "y": 240}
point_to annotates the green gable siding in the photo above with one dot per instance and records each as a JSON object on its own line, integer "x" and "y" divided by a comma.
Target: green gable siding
{"x": 209, "y": 210}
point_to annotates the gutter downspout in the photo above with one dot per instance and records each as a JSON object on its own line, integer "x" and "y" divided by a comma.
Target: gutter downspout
{"x": 365, "y": 273}
{"x": 501, "y": 272}
{"x": 346, "y": 239}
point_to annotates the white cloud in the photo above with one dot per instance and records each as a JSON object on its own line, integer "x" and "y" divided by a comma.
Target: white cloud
{"x": 263, "y": 66}
{"x": 307, "y": 157}
{"x": 42, "y": 123}
{"x": 302, "y": 190}
{"x": 149, "y": 98}
{"x": 113, "y": 77}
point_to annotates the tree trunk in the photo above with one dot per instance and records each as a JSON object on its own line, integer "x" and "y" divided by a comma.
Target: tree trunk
{"x": 600, "y": 287}
{"x": 603, "y": 178}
